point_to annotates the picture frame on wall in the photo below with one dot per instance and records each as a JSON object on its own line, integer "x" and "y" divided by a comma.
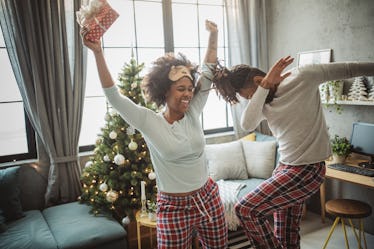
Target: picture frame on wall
{"x": 314, "y": 57}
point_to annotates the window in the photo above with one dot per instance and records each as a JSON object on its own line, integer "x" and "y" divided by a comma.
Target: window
{"x": 148, "y": 29}
{"x": 17, "y": 138}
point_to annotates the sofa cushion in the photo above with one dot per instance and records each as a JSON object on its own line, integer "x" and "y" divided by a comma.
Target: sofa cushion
{"x": 226, "y": 161}
{"x": 10, "y": 203}
{"x": 250, "y": 137}
{"x": 74, "y": 227}
{"x": 29, "y": 232}
{"x": 260, "y": 158}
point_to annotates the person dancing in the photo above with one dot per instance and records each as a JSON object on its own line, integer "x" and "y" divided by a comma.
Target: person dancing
{"x": 291, "y": 104}
{"x": 188, "y": 200}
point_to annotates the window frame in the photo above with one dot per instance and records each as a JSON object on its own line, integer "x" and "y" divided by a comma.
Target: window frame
{"x": 168, "y": 47}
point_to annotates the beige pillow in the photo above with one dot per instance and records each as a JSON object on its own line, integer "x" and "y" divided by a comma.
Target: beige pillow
{"x": 226, "y": 161}
{"x": 259, "y": 157}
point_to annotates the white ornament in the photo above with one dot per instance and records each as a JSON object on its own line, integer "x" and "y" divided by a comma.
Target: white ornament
{"x": 126, "y": 221}
{"x": 113, "y": 135}
{"x": 106, "y": 158}
{"x": 134, "y": 85}
{"x": 99, "y": 141}
{"x": 112, "y": 196}
{"x": 88, "y": 164}
{"x": 119, "y": 159}
{"x": 107, "y": 117}
{"x": 130, "y": 130}
{"x": 133, "y": 145}
{"x": 103, "y": 187}
{"x": 152, "y": 175}
{"x": 112, "y": 112}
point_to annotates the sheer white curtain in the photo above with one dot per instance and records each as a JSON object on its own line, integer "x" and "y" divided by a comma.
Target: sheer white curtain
{"x": 247, "y": 42}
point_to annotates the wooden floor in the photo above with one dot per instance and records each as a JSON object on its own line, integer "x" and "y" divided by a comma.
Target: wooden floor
{"x": 313, "y": 235}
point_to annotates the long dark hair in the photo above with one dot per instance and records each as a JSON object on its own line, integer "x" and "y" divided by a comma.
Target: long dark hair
{"x": 228, "y": 82}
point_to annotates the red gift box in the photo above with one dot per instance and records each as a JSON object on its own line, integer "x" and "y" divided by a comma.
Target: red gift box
{"x": 97, "y": 20}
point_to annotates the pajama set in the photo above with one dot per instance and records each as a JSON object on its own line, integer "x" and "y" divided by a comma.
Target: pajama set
{"x": 178, "y": 158}
{"x": 295, "y": 117}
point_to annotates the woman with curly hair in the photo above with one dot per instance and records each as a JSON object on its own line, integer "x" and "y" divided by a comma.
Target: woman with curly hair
{"x": 188, "y": 200}
{"x": 291, "y": 104}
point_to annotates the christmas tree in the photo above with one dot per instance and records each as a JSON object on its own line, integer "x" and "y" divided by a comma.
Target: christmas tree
{"x": 112, "y": 177}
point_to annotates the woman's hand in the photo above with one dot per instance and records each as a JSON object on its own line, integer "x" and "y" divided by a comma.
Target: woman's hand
{"x": 274, "y": 77}
{"x": 211, "y": 52}
{"x": 95, "y": 46}
{"x": 211, "y": 26}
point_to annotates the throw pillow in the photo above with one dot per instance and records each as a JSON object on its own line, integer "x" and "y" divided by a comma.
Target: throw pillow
{"x": 260, "y": 158}
{"x": 250, "y": 137}
{"x": 226, "y": 161}
{"x": 10, "y": 203}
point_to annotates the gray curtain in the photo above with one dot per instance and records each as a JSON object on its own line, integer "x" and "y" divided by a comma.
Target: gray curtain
{"x": 247, "y": 43}
{"x": 46, "y": 53}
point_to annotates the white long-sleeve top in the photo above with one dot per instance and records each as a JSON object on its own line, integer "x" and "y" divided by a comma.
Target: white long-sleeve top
{"x": 295, "y": 116}
{"x": 176, "y": 150}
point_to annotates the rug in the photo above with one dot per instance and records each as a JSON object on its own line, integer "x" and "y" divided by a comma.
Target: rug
{"x": 238, "y": 240}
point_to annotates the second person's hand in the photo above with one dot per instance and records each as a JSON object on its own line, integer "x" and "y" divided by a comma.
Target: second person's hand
{"x": 211, "y": 26}
{"x": 274, "y": 77}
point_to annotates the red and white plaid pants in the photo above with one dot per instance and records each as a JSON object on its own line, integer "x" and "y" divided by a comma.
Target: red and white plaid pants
{"x": 282, "y": 195}
{"x": 202, "y": 212}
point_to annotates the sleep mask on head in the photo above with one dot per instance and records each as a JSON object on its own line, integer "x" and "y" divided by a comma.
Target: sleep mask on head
{"x": 178, "y": 72}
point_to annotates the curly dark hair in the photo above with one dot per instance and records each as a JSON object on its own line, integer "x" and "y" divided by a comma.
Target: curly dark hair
{"x": 228, "y": 82}
{"x": 156, "y": 83}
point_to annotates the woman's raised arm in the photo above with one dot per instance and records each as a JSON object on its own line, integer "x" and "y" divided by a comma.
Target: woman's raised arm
{"x": 102, "y": 68}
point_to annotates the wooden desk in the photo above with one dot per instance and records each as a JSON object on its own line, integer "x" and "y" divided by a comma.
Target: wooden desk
{"x": 365, "y": 181}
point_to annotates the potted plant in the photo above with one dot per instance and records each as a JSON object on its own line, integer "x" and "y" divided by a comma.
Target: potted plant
{"x": 341, "y": 148}
{"x": 331, "y": 92}
{"x": 151, "y": 207}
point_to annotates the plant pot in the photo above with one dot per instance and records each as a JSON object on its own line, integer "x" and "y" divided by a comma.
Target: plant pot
{"x": 338, "y": 159}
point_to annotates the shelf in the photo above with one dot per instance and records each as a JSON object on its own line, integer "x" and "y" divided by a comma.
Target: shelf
{"x": 350, "y": 102}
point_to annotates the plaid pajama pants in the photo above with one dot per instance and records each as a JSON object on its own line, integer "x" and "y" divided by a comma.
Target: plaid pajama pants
{"x": 203, "y": 212}
{"x": 282, "y": 195}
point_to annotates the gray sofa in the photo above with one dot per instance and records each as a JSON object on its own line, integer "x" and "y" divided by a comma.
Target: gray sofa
{"x": 239, "y": 166}
{"x": 25, "y": 223}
